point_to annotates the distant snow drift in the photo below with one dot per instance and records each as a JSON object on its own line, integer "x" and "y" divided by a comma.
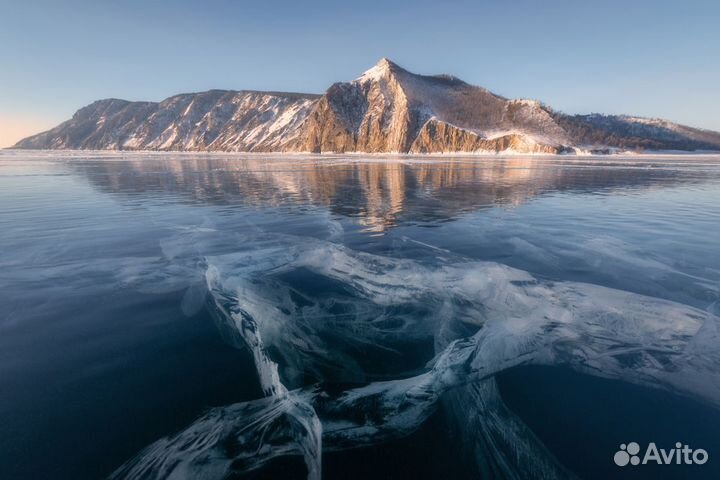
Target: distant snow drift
{"x": 481, "y": 318}
{"x": 386, "y": 110}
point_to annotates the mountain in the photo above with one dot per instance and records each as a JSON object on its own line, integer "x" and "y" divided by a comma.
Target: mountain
{"x": 386, "y": 109}
{"x": 214, "y": 120}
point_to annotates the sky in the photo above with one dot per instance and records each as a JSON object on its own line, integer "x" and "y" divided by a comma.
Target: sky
{"x": 651, "y": 58}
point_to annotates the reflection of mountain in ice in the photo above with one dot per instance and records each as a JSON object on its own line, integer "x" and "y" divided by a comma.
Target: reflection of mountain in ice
{"x": 381, "y": 193}
{"x": 353, "y": 349}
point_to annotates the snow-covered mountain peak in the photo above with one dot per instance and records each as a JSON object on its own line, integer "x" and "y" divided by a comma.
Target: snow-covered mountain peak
{"x": 383, "y": 69}
{"x": 385, "y": 62}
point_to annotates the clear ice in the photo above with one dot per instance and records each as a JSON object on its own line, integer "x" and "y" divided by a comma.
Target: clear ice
{"x": 312, "y": 347}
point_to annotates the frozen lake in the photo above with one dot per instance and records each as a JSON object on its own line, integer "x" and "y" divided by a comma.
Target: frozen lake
{"x": 367, "y": 317}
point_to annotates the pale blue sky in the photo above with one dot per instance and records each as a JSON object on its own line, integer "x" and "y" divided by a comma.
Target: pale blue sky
{"x": 651, "y": 58}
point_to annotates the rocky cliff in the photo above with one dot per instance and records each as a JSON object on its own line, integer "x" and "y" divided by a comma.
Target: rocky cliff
{"x": 386, "y": 109}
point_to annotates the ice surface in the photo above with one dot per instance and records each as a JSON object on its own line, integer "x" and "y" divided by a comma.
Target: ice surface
{"x": 479, "y": 318}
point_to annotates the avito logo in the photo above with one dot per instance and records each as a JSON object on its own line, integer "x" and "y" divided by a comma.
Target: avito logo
{"x": 629, "y": 454}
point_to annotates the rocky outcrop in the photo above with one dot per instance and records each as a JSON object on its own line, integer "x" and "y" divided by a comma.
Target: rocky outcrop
{"x": 385, "y": 110}
{"x": 437, "y": 136}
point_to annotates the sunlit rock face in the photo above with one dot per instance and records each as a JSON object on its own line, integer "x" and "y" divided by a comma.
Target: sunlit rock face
{"x": 386, "y": 110}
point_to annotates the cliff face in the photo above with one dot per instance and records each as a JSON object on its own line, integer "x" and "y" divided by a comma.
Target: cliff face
{"x": 370, "y": 114}
{"x": 386, "y": 109}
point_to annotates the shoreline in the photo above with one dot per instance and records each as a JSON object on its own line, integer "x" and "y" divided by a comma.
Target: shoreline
{"x": 375, "y": 155}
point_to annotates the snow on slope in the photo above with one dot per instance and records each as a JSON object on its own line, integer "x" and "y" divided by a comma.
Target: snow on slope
{"x": 214, "y": 120}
